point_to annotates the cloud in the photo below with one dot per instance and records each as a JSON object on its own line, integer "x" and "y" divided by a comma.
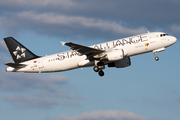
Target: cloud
{"x": 17, "y": 4}
{"x": 175, "y": 28}
{"x": 157, "y": 118}
{"x": 178, "y": 99}
{"x": 40, "y": 91}
{"x": 3, "y": 60}
{"x": 3, "y": 52}
{"x": 25, "y": 82}
{"x": 88, "y": 19}
{"x": 104, "y": 115}
{"x": 65, "y": 25}
{"x": 138, "y": 10}
{"x": 76, "y": 22}
{"x": 3, "y": 48}
{"x": 37, "y": 102}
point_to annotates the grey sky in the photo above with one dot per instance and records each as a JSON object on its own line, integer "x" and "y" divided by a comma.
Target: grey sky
{"x": 89, "y": 19}
{"x": 45, "y": 92}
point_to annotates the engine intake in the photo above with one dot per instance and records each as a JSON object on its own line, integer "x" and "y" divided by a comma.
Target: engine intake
{"x": 115, "y": 55}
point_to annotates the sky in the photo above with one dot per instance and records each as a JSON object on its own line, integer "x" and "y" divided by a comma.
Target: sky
{"x": 146, "y": 90}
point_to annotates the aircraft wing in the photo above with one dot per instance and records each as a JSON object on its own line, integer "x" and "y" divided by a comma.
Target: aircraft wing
{"x": 84, "y": 50}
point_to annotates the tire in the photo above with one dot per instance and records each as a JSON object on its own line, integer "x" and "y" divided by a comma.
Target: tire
{"x": 101, "y": 73}
{"x": 100, "y": 64}
{"x": 156, "y": 58}
{"x": 96, "y": 69}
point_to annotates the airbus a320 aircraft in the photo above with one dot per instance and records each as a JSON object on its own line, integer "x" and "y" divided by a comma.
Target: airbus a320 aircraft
{"x": 115, "y": 53}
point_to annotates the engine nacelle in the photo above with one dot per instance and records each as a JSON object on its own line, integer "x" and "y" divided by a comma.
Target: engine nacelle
{"x": 121, "y": 63}
{"x": 115, "y": 55}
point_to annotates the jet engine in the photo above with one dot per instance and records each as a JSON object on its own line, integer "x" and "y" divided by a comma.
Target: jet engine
{"x": 121, "y": 63}
{"x": 116, "y": 54}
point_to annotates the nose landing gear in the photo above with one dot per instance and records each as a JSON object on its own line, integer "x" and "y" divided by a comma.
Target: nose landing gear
{"x": 158, "y": 50}
{"x": 156, "y": 57}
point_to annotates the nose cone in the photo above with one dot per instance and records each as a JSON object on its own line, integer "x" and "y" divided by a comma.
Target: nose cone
{"x": 174, "y": 39}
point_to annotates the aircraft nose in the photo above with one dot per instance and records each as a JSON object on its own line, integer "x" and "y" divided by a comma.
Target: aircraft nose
{"x": 173, "y": 39}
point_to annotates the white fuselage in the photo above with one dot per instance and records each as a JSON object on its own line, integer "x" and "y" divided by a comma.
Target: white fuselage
{"x": 68, "y": 60}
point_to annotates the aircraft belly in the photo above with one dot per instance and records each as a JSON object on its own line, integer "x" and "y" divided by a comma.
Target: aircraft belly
{"x": 68, "y": 64}
{"x": 60, "y": 65}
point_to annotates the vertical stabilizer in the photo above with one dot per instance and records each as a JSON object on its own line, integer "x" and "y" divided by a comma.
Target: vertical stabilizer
{"x": 18, "y": 52}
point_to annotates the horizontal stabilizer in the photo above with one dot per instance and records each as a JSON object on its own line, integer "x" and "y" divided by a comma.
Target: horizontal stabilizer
{"x": 16, "y": 65}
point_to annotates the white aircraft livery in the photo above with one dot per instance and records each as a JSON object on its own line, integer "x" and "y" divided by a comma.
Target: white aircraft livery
{"x": 115, "y": 53}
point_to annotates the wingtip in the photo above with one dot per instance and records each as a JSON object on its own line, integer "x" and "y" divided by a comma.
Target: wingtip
{"x": 63, "y": 43}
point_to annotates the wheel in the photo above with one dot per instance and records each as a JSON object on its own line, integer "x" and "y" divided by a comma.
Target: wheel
{"x": 156, "y": 58}
{"x": 96, "y": 69}
{"x": 100, "y": 63}
{"x": 101, "y": 73}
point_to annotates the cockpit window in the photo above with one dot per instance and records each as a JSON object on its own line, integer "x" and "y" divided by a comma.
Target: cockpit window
{"x": 163, "y": 35}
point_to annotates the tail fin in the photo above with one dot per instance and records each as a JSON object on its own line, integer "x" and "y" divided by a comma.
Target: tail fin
{"x": 18, "y": 52}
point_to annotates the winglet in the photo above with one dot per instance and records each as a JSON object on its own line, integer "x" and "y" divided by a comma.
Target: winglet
{"x": 63, "y": 43}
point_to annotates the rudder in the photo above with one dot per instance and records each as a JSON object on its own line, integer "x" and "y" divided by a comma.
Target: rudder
{"x": 18, "y": 52}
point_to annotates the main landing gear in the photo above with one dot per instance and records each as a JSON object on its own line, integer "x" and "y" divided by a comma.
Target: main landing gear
{"x": 101, "y": 73}
{"x": 99, "y": 67}
{"x": 96, "y": 69}
{"x": 156, "y": 57}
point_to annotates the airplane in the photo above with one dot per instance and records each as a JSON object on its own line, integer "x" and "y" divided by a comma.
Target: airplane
{"x": 115, "y": 53}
